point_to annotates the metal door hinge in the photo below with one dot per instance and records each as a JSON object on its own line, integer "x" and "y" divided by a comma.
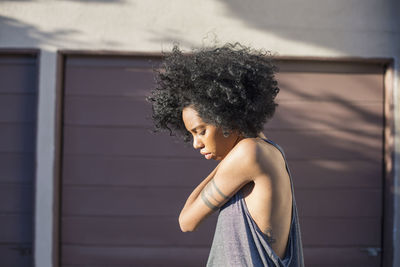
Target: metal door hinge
{"x": 374, "y": 252}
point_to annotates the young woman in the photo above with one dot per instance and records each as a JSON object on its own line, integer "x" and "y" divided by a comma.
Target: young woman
{"x": 219, "y": 99}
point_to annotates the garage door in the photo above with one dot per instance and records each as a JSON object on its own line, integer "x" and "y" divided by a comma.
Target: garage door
{"x": 123, "y": 187}
{"x": 330, "y": 123}
{"x": 18, "y": 92}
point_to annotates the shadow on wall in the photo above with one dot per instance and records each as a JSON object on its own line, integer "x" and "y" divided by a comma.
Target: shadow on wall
{"x": 345, "y": 27}
{"x": 87, "y": 1}
{"x": 170, "y": 36}
{"x": 319, "y": 23}
{"x": 33, "y": 36}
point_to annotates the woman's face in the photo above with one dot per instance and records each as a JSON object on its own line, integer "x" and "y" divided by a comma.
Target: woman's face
{"x": 207, "y": 137}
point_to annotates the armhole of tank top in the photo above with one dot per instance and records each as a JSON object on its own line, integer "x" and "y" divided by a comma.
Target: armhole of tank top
{"x": 292, "y": 222}
{"x": 286, "y": 166}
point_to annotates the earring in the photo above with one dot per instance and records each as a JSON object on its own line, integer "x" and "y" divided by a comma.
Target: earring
{"x": 226, "y": 134}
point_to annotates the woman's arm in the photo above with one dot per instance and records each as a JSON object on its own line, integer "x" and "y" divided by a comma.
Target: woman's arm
{"x": 196, "y": 192}
{"x": 232, "y": 173}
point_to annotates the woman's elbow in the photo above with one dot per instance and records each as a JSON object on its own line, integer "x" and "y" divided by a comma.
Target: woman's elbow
{"x": 185, "y": 225}
{"x": 186, "y": 229}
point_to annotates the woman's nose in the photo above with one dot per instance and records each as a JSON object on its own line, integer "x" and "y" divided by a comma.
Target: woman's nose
{"x": 197, "y": 143}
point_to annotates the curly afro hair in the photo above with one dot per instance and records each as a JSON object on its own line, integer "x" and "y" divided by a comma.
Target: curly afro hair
{"x": 232, "y": 87}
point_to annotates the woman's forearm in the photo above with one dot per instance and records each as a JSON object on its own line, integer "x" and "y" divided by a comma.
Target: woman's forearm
{"x": 196, "y": 192}
{"x": 192, "y": 198}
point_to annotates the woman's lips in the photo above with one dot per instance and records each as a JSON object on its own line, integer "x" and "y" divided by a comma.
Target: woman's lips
{"x": 208, "y": 156}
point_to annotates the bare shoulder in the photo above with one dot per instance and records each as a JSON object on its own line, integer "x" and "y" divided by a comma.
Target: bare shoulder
{"x": 239, "y": 160}
{"x": 250, "y": 154}
{"x": 245, "y": 151}
{"x": 258, "y": 157}
{"x": 257, "y": 151}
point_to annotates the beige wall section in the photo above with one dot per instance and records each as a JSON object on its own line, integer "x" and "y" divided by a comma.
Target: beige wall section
{"x": 341, "y": 28}
{"x": 306, "y": 27}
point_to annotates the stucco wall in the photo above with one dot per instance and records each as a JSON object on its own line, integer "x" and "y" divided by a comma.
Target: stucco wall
{"x": 307, "y": 27}
{"x": 354, "y": 28}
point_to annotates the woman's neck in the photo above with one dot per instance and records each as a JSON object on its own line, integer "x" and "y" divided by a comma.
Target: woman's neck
{"x": 261, "y": 134}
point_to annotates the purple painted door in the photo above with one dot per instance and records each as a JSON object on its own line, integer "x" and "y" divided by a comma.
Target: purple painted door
{"x": 123, "y": 187}
{"x": 18, "y": 93}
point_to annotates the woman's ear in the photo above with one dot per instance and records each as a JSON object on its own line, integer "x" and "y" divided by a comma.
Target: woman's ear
{"x": 226, "y": 133}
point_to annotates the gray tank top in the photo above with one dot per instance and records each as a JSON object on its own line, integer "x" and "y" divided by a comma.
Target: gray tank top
{"x": 239, "y": 242}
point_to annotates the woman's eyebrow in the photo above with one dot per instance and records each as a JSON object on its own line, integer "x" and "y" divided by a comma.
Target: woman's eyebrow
{"x": 198, "y": 126}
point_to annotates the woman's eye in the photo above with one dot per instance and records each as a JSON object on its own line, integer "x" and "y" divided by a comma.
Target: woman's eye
{"x": 203, "y": 132}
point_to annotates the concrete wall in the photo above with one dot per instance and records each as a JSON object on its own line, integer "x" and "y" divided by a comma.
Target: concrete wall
{"x": 341, "y": 28}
